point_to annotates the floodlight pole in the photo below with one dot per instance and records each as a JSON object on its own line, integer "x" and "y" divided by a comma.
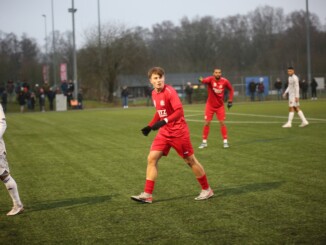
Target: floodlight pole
{"x": 53, "y": 47}
{"x": 72, "y": 10}
{"x": 46, "y": 48}
{"x": 308, "y": 43}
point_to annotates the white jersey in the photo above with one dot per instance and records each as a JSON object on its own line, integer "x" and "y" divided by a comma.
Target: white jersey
{"x": 3, "y": 126}
{"x": 293, "y": 90}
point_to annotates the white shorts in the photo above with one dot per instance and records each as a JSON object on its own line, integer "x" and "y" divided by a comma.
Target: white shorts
{"x": 292, "y": 103}
{"x": 3, "y": 163}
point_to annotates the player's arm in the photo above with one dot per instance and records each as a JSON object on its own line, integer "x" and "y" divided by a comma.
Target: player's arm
{"x": 146, "y": 130}
{"x": 296, "y": 89}
{"x": 231, "y": 94}
{"x": 204, "y": 80}
{"x": 3, "y": 126}
{"x": 173, "y": 117}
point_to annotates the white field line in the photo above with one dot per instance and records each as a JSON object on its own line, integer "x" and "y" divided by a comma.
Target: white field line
{"x": 247, "y": 115}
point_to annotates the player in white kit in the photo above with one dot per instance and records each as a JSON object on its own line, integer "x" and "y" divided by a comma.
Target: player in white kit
{"x": 293, "y": 91}
{"x": 5, "y": 176}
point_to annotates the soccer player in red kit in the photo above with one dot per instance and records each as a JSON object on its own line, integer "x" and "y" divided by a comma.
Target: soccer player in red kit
{"x": 216, "y": 86}
{"x": 173, "y": 132}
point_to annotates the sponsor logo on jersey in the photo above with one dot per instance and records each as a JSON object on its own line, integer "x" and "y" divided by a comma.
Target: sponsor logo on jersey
{"x": 162, "y": 113}
{"x": 162, "y": 103}
{"x": 217, "y": 91}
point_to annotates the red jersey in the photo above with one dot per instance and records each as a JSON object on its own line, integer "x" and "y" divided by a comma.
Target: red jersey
{"x": 216, "y": 89}
{"x": 166, "y": 103}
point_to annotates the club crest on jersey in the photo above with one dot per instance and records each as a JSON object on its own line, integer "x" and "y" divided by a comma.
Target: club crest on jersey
{"x": 162, "y": 103}
{"x": 214, "y": 84}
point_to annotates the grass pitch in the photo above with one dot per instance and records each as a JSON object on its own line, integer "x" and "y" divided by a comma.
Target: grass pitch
{"x": 76, "y": 171}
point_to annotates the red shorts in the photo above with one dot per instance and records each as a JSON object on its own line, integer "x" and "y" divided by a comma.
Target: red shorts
{"x": 182, "y": 145}
{"x": 210, "y": 111}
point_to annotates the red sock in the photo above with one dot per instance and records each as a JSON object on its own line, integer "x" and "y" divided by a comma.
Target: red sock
{"x": 149, "y": 186}
{"x": 224, "y": 132}
{"x": 205, "y": 132}
{"x": 203, "y": 182}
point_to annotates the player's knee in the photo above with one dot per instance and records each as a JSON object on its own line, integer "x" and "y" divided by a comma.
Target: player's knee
{"x": 4, "y": 175}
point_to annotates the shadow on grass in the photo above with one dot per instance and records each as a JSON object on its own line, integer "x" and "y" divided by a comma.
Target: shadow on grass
{"x": 237, "y": 190}
{"x": 68, "y": 203}
{"x": 248, "y": 188}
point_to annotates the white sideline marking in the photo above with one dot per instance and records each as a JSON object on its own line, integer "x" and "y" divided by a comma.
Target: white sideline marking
{"x": 254, "y": 115}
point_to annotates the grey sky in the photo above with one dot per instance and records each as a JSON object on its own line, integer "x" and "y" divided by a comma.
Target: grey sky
{"x": 25, "y": 16}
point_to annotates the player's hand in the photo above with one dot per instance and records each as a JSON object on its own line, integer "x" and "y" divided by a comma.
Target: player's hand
{"x": 229, "y": 105}
{"x": 200, "y": 79}
{"x": 284, "y": 95}
{"x": 159, "y": 124}
{"x": 146, "y": 130}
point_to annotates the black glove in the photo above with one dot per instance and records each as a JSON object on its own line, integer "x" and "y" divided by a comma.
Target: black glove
{"x": 229, "y": 105}
{"x": 159, "y": 124}
{"x": 146, "y": 130}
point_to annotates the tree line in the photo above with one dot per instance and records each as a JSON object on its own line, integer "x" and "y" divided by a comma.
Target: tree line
{"x": 263, "y": 41}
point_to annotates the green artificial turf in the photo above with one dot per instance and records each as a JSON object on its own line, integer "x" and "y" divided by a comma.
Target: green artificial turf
{"x": 76, "y": 171}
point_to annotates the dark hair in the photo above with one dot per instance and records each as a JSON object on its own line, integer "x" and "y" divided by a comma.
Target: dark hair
{"x": 290, "y": 68}
{"x": 156, "y": 70}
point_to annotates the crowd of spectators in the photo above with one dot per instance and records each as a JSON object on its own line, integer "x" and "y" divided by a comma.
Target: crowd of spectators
{"x": 36, "y": 96}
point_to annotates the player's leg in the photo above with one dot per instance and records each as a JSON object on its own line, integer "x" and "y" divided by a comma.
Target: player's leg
{"x": 208, "y": 118}
{"x": 220, "y": 114}
{"x": 12, "y": 188}
{"x": 159, "y": 148}
{"x": 201, "y": 177}
{"x": 304, "y": 121}
{"x": 288, "y": 124}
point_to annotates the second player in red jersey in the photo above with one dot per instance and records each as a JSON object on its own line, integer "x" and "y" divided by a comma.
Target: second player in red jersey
{"x": 216, "y": 86}
{"x": 173, "y": 133}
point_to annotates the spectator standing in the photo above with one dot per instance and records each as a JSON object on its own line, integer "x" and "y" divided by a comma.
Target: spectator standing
{"x": 261, "y": 91}
{"x": 148, "y": 93}
{"x": 189, "y": 90}
{"x": 252, "y": 90}
{"x": 51, "y": 97}
{"x": 21, "y": 99}
{"x": 314, "y": 86}
{"x": 80, "y": 99}
{"x": 70, "y": 92}
{"x": 124, "y": 96}
{"x": 42, "y": 100}
{"x": 304, "y": 89}
{"x": 278, "y": 86}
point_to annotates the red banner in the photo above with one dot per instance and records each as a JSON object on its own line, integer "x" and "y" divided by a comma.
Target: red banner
{"x": 45, "y": 72}
{"x": 63, "y": 72}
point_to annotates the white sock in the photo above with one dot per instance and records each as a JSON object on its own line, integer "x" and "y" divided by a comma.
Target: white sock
{"x": 303, "y": 118}
{"x": 205, "y": 141}
{"x": 12, "y": 188}
{"x": 291, "y": 115}
{"x": 225, "y": 141}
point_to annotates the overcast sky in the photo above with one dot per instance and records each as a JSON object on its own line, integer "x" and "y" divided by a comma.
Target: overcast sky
{"x": 25, "y": 16}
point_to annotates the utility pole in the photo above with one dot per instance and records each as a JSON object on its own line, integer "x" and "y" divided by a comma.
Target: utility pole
{"x": 308, "y": 43}
{"x": 54, "y": 50}
{"x": 46, "y": 48}
{"x": 72, "y": 10}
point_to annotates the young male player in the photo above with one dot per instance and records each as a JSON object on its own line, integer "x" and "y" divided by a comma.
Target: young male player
{"x": 216, "y": 86}
{"x": 293, "y": 91}
{"x": 173, "y": 132}
{"x": 5, "y": 176}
